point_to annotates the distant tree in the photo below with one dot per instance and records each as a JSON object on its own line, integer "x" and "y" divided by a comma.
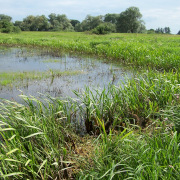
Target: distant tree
{"x": 167, "y": 30}
{"x": 16, "y": 29}
{"x": 91, "y": 22}
{"x": 6, "y": 26}
{"x": 74, "y": 22}
{"x": 104, "y": 28}
{"x": 178, "y": 32}
{"x": 35, "y": 23}
{"x": 60, "y": 22}
{"x": 130, "y": 21}
{"x": 41, "y": 23}
{"x": 158, "y": 31}
{"x": 151, "y": 31}
{"x": 112, "y": 18}
{"x": 5, "y": 17}
{"x": 78, "y": 27}
{"x": 53, "y": 21}
{"x": 28, "y": 23}
{"x": 18, "y": 23}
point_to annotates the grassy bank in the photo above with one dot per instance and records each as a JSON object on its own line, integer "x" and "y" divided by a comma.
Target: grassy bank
{"x": 154, "y": 51}
{"x": 134, "y": 128}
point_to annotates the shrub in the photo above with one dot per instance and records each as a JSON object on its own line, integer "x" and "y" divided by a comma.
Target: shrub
{"x": 16, "y": 29}
{"x": 104, "y": 28}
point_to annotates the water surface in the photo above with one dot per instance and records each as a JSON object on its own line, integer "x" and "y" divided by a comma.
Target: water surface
{"x": 90, "y": 72}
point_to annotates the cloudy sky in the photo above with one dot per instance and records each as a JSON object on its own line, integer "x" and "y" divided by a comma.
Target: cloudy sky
{"x": 156, "y": 13}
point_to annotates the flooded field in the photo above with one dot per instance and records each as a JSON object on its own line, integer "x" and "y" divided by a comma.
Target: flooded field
{"x": 33, "y": 72}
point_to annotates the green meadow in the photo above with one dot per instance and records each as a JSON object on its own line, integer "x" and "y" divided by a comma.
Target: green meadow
{"x": 133, "y": 130}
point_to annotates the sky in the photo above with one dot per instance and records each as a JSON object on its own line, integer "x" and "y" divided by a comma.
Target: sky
{"x": 156, "y": 13}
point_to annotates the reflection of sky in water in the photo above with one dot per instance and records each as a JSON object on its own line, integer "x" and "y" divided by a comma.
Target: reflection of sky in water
{"x": 95, "y": 74}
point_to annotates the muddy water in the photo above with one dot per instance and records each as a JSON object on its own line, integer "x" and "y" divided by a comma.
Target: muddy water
{"x": 92, "y": 72}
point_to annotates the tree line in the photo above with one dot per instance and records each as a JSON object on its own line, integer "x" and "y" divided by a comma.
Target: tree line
{"x": 128, "y": 21}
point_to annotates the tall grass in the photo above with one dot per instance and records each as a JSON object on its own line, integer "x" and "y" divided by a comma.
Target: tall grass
{"x": 139, "y": 101}
{"x": 129, "y": 155}
{"x": 35, "y": 140}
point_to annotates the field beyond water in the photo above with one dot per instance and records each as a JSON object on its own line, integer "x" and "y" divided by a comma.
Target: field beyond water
{"x": 133, "y": 130}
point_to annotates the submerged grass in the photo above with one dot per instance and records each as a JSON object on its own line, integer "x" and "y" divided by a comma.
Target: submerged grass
{"x": 51, "y": 61}
{"x": 136, "y": 125}
{"x": 17, "y": 78}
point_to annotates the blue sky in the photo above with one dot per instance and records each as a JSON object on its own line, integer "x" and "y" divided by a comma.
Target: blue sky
{"x": 156, "y": 13}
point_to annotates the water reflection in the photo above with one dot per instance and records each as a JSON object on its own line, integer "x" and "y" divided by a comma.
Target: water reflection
{"x": 95, "y": 73}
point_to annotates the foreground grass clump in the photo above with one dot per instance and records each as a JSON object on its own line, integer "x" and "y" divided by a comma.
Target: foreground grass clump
{"x": 35, "y": 140}
{"x": 150, "y": 155}
{"x": 140, "y": 101}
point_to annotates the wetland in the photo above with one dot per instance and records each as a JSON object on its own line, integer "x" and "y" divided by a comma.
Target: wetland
{"x": 34, "y": 72}
{"x": 132, "y": 126}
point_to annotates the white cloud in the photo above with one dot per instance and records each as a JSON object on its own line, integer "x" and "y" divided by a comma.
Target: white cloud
{"x": 155, "y": 18}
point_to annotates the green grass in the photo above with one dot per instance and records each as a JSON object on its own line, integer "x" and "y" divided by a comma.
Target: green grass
{"x": 160, "y": 52}
{"x": 52, "y": 61}
{"x": 19, "y": 78}
{"x": 136, "y": 156}
{"x": 33, "y": 145}
{"x": 135, "y": 126}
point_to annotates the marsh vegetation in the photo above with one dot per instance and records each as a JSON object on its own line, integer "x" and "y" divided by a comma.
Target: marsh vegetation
{"x": 131, "y": 130}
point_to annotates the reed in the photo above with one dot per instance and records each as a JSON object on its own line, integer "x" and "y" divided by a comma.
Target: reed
{"x": 35, "y": 140}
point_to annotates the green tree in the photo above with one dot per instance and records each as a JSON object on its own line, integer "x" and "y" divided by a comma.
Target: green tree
{"x": 178, "y": 32}
{"x": 60, "y": 22}
{"x": 104, "y": 28}
{"x": 130, "y": 21}
{"x": 6, "y": 26}
{"x": 4, "y": 17}
{"x": 18, "y": 23}
{"x": 35, "y": 23}
{"x": 151, "y": 31}
{"x": 41, "y": 23}
{"x": 74, "y": 22}
{"x": 167, "y": 30}
{"x": 91, "y": 22}
{"x": 28, "y": 23}
{"x": 111, "y": 18}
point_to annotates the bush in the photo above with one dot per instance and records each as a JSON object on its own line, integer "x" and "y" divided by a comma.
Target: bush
{"x": 16, "y": 29}
{"x": 104, "y": 28}
{"x": 5, "y": 26}
{"x": 8, "y": 27}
